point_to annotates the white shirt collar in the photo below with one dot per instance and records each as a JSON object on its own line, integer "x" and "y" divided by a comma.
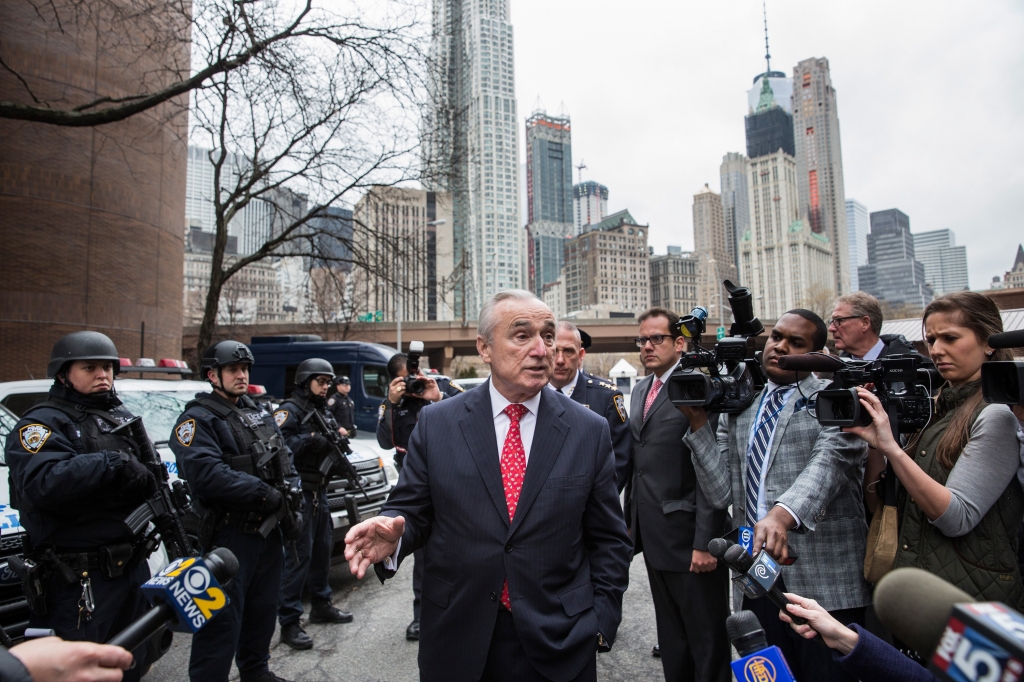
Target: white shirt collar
{"x": 664, "y": 377}
{"x": 875, "y": 351}
{"x": 500, "y": 402}
{"x": 571, "y": 386}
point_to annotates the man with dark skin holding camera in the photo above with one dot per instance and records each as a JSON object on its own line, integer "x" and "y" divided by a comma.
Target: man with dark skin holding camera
{"x": 798, "y": 485}
{"x": 398, "y": 416}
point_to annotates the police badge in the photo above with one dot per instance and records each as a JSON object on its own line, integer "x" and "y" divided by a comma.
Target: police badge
{"x": 33, "y": 436}
{"x": 280, "y": 417}
{"x": 185, "y": 432}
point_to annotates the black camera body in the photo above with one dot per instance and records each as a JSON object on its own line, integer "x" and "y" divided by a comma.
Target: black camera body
{"x": 1002, "y": 381}
{"x": 901, "y": 384}
{"x": 414, "y": 385}
{"x": 723, "y": 379}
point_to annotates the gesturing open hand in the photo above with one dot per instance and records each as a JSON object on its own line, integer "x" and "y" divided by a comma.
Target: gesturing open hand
{"x": 371, "y": 541}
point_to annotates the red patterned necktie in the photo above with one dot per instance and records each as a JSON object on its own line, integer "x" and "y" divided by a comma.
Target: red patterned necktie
{"x": 513, "y": 469}
{"x": 655, "y": 387}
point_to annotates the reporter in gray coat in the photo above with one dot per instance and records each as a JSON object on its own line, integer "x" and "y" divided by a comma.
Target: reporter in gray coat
{"x": 799, "y": 485}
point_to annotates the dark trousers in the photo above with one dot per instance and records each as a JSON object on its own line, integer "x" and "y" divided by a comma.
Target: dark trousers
{"x": 690, "y": 609}
{"x": 119, "y": 601}
{"x": 507, "y": 662}
{"x": 243, "y": 629}
{"x": 417, "y": 582}
{"x": 314, "y": 564}
{"x": 809, "y": 659}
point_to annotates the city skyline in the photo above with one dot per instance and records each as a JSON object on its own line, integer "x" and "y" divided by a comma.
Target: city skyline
{"x": 889, "y": 159}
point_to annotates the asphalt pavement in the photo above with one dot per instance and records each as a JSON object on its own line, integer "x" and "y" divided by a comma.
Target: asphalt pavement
{"x": 373, "y": 647}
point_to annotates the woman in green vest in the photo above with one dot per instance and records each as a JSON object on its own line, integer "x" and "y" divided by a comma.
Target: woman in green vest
{"x": 959, "y": 502}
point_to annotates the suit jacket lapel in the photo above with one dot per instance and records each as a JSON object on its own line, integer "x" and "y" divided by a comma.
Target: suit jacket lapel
{"x": 785, "y": 416}
{"x": 659, "y": 400}
{"x": 636, "y": 405}
{"x": 548, "y": 436}
{"x": 477, "y": 427}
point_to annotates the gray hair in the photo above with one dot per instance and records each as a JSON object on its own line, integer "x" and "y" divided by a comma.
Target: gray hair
{"x": 863, "y": 304}
{"x": 565, "y": 325}
{"x": 488, "y": 320}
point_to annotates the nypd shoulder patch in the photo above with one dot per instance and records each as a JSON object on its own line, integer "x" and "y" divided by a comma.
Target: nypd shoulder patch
{"x": 33, "y": 436}
{"x": 280, "y": 417}
{"x": 620, "y": 406}
{"x": 185, "y": 432}
{"x": 380, "y": 413}
{"x": 458, "y": 388}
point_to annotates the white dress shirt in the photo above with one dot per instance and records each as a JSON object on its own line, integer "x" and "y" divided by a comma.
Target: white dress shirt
{"x": 874, "y": 352}
{"x": 570, "y": 387}
{"x": 527, "y": 426}
{"x": 762, "y": 505}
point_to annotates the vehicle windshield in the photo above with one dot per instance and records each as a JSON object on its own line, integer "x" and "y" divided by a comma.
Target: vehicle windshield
{"x": 159, "y": 409}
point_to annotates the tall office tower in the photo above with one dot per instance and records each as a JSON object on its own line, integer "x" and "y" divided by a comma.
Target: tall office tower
{"x": 589, "y": 204}
{"x": 857, "y": 227}
{"x": 785, "y": 263}
{"x": 674, "y": 281}
{"x": 710, "y": 247}
{"x": 549, "y": 196}
{"x": 945, "y": 263}
{"x": 607, "y": 267}
{"x": 780, "y": 86}
{"x": 735, "y": 209}
{"x": 471, "y": 145}
{"x": 770, "y": 127}
{"x": 819, "y": 161}
{"x": 893, "y": 274}
{"x": 417, "y": 281}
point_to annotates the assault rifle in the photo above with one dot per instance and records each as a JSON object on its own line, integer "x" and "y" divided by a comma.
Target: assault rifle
{"x": 337, "y": 455}
{"x": 270, "y": 461}
{"x": 170, "y": 504}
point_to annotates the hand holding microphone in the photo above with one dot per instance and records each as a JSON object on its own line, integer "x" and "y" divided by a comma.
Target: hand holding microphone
{"x": 757, "y": 576}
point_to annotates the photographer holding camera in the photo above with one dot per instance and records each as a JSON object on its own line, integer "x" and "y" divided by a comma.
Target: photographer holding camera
{"x": 959, "y": 504}
{"x": 409, "y": 392}
{"x": 797, "y": 484}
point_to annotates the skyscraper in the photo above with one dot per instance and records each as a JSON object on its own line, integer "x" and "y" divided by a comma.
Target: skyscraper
{"x": 945, "y": 263}
{"x": 735, "y": 208}
{"x": 893, "y": 274}
{"x": 819, "y": 161}
{"x": 549, "y": 196}
{"x": 674, "y": 281}
{"x": 857, "y": 227}
{"x": 470, "y": 142}
{"x": 589, "y": 204}
{"x": 710, "y": 247}
{"x": 769, "y": 127}
{"x": 787, "y": 264}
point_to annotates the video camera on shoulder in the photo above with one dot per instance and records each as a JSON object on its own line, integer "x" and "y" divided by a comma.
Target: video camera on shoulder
{"x": 414, "y": 385}
{"x": 1002, "y": 381}
{"x": 723, "y": 379}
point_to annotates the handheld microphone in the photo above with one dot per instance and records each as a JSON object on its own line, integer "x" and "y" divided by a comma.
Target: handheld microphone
{"x": 1013, "y": 339}
{"x": 914, "y": 605}
{"x": 756, "y": 575}
{"x": 811, "y": 362}
{"x": 757, "y": 661}
{"x": 185, "y": 595}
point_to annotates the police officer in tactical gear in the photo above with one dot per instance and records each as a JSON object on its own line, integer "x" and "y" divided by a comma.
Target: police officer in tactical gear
{"x": 342, "y": 407}
{"x": 75, "y": 477}
{"x": 313, "y": 548}
{"x": 398, "y": 415}
{"x": 243, "y": 482}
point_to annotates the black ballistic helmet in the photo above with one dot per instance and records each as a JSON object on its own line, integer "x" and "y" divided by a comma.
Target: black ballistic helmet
{"x": 313, "y": 367}
{"x": 81, "y": 346}
{"x": 225, "y": 353}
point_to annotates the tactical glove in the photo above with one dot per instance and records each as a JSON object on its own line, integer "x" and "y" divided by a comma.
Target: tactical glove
{"x": 136, "y": 480}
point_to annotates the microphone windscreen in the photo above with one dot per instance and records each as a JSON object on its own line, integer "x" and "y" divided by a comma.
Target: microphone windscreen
{"x": 915, "y": 606}
{"x": 718, "y": 547}
{"x": 1013, "y": 339}
{"x": 811, "y": 362}
{"x": 223, "y": 563}
{"x": 745, "y": 633}
{"x": 738, "y": 559}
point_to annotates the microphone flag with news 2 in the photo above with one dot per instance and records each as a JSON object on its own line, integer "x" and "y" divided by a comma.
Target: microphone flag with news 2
{"x": 963, "y": 640}
{"x": 758, "y": 662}
{"x": 185, "y": 595}
{"x": 1002, "y": 380}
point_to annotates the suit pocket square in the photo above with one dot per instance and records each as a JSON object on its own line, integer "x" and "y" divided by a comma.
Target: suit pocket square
{"x": 436, "y": 590}
{"x": 567, "y": 481}
{"x": 578, "y": 599}
{"x": 669, "y": 506}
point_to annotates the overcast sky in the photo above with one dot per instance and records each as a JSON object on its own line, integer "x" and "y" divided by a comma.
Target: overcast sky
{"x": 930, "y": 98}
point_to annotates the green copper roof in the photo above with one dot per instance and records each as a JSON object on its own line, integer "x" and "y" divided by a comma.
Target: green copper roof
{"x": 767, "y": 100}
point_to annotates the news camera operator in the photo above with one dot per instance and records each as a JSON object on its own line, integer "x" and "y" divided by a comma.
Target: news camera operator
{"x": 234, "y": 457}
{"x": 959, "y": 502}
{"x": 311, "y": 561}
{"x": 76, "y": 477}
{"x": 797, "y": 484}
{"x": 408, "y": 393}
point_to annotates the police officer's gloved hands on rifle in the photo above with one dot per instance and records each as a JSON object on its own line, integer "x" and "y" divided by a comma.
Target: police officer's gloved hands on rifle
{"x": 272, "y": 501}
{"x": 319, "y": 445}
{"x": 136, "y": 479}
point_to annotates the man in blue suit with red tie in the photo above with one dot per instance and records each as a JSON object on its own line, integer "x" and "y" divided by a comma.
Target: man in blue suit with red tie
{"x": 511, "y": 491}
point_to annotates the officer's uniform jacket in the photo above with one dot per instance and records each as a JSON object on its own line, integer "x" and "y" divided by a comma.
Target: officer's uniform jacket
{"x": 343, "y": 408}
{"x": 301, "y": 438}
{"x": 204, "y": 444}
{"x": 65, "y": 469}
{"x": 601, "y": 396}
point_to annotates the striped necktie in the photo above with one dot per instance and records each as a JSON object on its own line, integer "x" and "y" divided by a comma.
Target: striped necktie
{"x": 758, "y": 451}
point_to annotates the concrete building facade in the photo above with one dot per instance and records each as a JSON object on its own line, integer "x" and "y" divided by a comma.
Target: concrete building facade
{"x": 674, "y": 280}
{"x": 711, "y": 249}
{"x": 858, "y": 225}
{"x": 735, "y": 209}
{"x": 945, "y": 263}
{"x": 609, "y": 266}
{"x": 893, "y": 274}
{"x": 819, "y": 161}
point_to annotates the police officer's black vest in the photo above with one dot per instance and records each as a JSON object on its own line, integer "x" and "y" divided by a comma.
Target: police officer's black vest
{"x": 97, "y": 429}
{"x": 308, "y": 464}
{"x": 257, "y": 440}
